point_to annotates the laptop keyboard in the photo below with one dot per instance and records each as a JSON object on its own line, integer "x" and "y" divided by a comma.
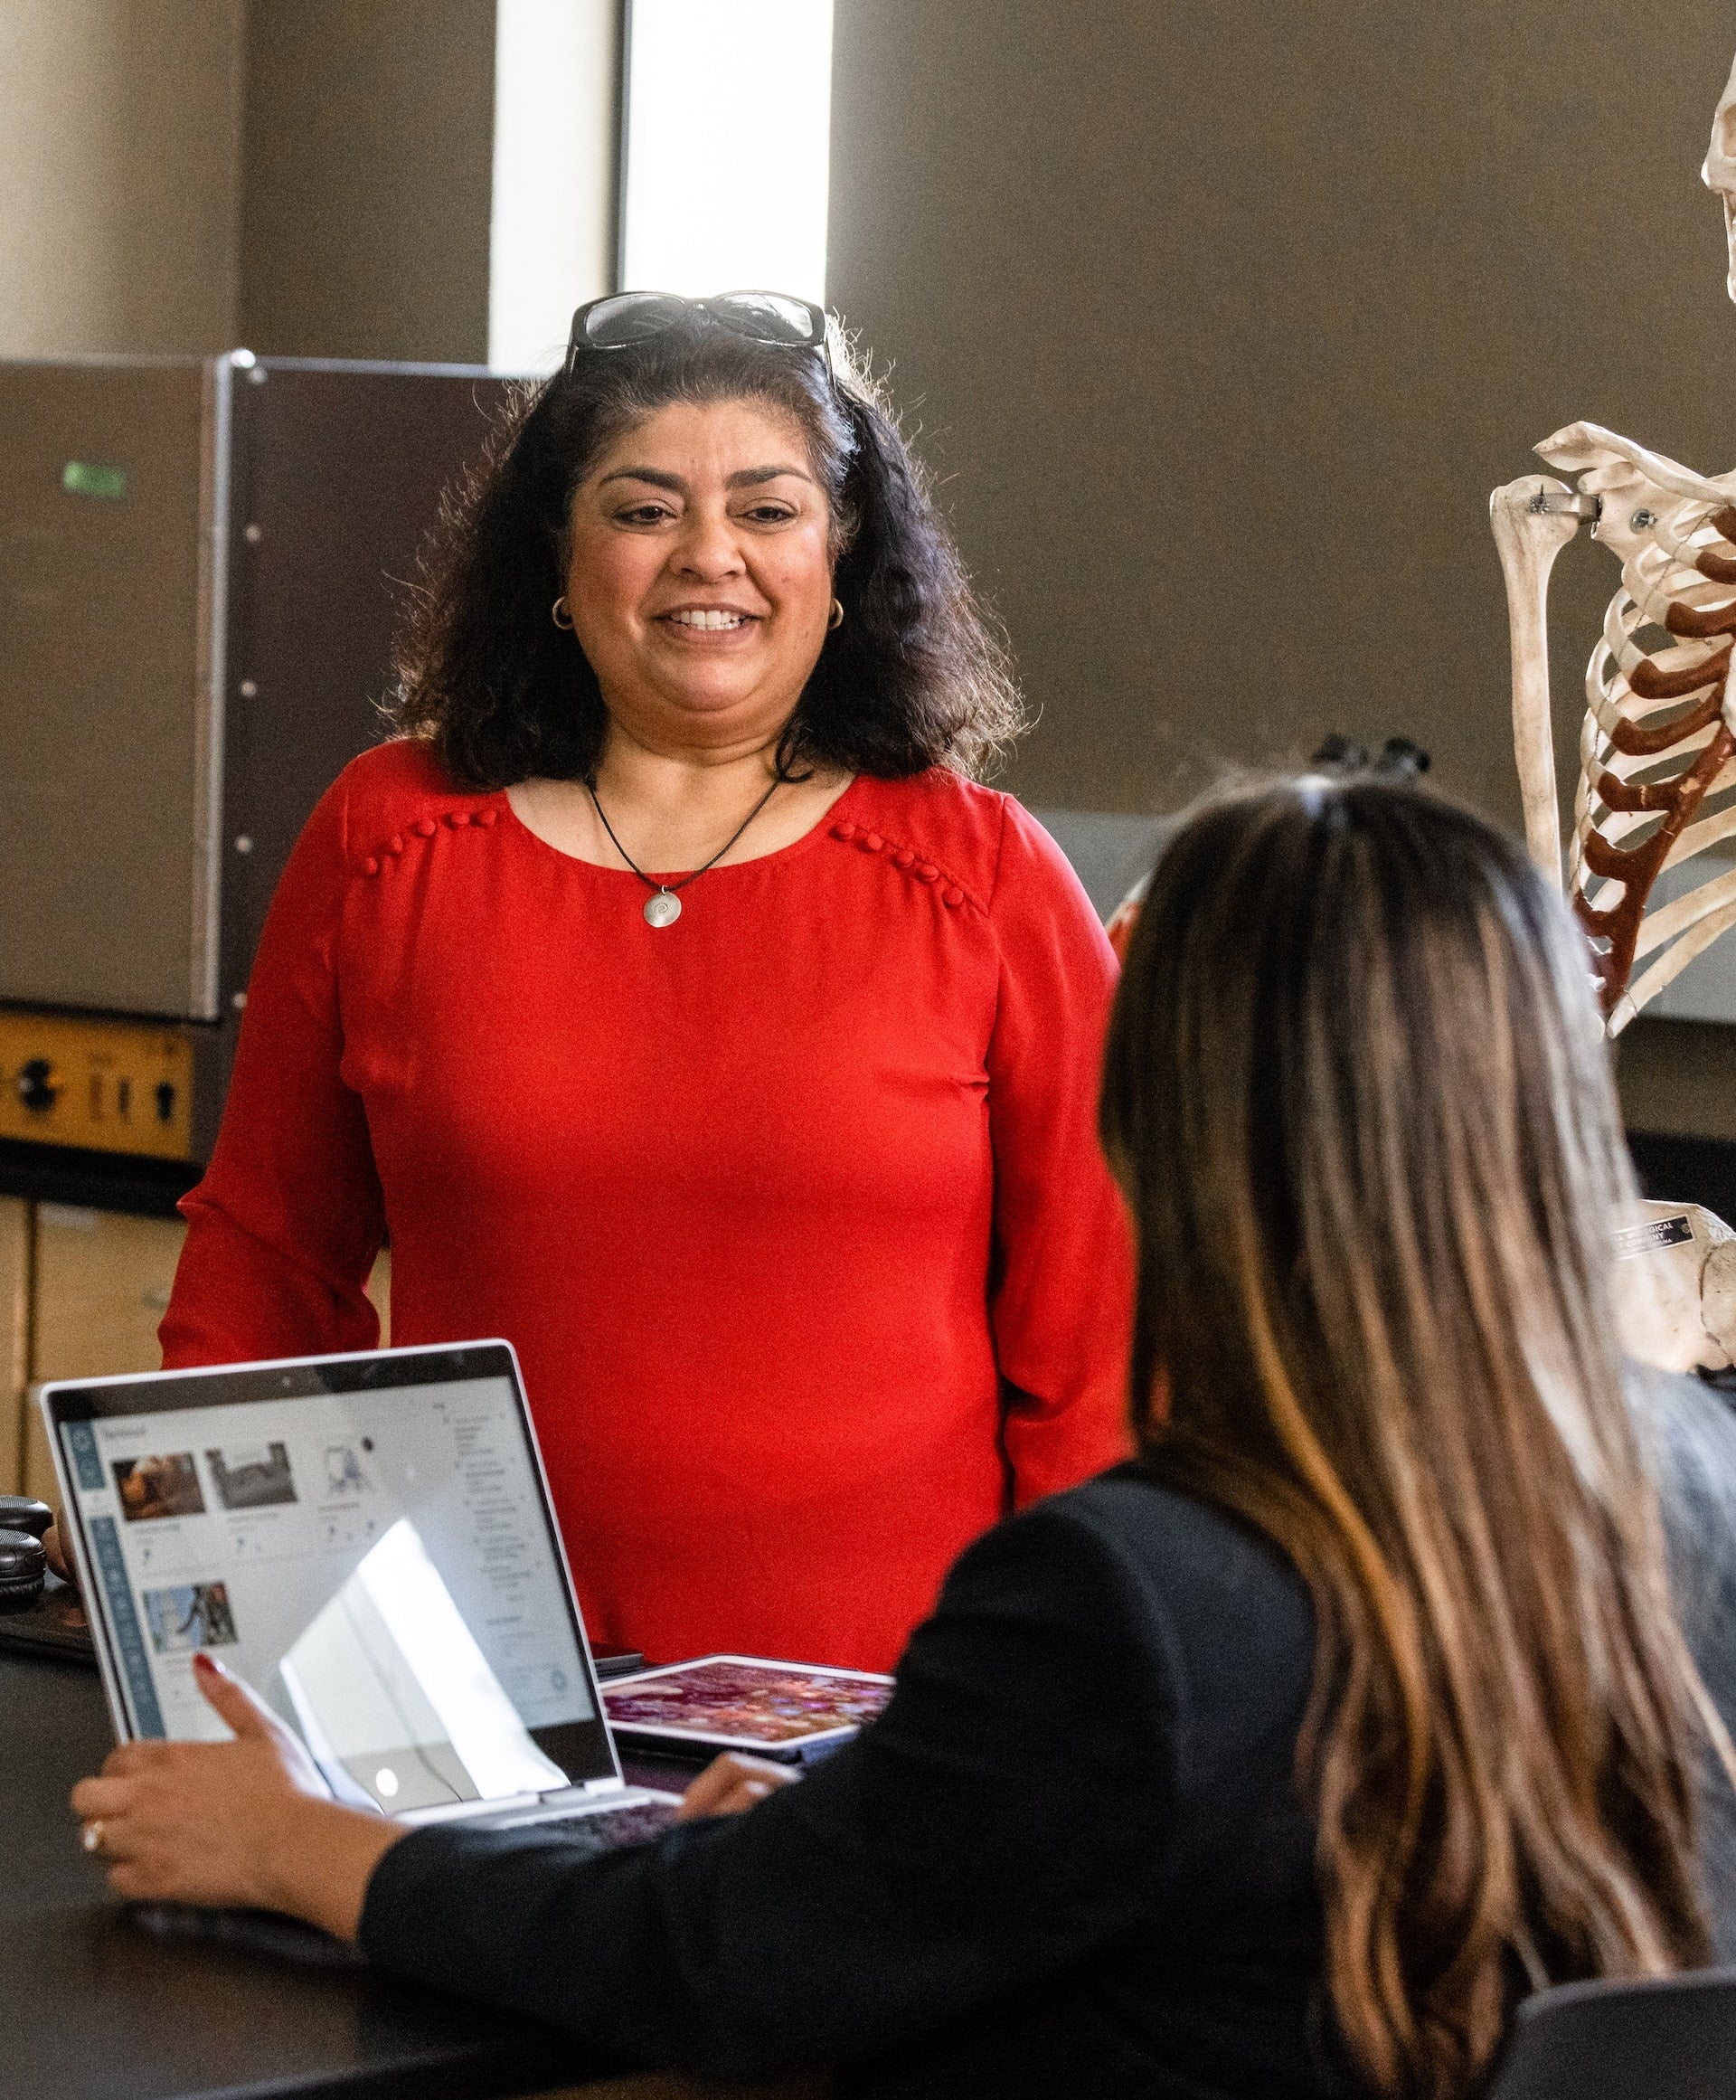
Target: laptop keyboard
{"x": 593, "y": 1831}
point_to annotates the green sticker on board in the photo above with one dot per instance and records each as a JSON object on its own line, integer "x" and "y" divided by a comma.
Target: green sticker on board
{"x": 91, "y": 478}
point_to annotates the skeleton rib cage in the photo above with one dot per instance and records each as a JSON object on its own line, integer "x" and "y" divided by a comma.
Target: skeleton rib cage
{"x": 1656, "y": 747}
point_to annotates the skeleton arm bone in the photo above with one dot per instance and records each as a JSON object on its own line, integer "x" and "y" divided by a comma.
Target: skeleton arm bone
{"x": 1528, "y": 537}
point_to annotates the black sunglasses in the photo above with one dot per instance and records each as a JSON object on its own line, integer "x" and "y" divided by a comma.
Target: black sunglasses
{"x": 620, "y": 321}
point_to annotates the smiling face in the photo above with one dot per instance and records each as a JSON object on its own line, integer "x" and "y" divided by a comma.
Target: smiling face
{"x": 701, "y": 575}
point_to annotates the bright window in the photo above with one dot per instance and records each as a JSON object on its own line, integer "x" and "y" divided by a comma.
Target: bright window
{"x": 551, "y": 244}
{"x": 727, "y": 118}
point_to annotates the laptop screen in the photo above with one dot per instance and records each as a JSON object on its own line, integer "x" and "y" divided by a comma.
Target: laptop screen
{"x": 367, "y": 1540}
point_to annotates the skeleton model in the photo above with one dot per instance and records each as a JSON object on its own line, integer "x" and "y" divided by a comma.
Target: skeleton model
{"x": 1660, "y": 725}
{"x": 1657, "y": 768}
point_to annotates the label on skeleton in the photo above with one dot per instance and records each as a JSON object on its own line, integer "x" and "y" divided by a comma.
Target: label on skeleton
{"x": 1646, "y": 1239}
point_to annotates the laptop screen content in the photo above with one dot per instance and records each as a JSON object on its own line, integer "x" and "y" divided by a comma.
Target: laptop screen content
{"x": 378, "y": 1564}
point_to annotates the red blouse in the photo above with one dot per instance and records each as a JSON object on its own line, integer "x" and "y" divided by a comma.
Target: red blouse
{"x": 793, "y": 1210}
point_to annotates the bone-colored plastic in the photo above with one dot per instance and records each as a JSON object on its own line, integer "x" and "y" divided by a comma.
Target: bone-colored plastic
{"x": 1675, "y": 1302}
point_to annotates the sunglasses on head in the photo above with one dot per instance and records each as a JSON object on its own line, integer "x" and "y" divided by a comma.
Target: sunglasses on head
{"x": 621, "y": 320}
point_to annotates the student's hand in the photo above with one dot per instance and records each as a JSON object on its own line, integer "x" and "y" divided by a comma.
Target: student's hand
{"x": 733, "y": 1784}
{"x": 59, "y": 1562}
{"x": 249, "y": 1822}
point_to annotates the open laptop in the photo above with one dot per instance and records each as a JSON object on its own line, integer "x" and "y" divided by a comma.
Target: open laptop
{"x": 369, "y": 1541}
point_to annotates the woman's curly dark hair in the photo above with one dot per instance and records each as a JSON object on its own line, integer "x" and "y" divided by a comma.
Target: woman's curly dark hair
{"x": 914, "y": 677}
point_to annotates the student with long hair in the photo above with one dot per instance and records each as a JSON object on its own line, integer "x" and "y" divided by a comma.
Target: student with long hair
{"x": 1283, "y": 1760}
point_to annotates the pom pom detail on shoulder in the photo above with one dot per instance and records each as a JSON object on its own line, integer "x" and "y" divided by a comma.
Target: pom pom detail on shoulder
{"x": 935, "y": 828}
{"x": 396, "y": 795}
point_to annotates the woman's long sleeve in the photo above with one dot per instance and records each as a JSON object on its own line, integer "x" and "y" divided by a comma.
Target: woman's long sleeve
{"x": 1062, "y": 1292}
{"x": 1007, "y": 1816}
{"x": 283, "y": 1229}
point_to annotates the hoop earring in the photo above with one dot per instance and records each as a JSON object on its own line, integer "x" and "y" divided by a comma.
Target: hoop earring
{"x": 837, "y": 619}
{"x": 561, "y": 618}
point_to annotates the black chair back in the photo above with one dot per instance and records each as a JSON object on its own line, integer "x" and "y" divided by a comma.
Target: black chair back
{"x": 1673, "y": 2038}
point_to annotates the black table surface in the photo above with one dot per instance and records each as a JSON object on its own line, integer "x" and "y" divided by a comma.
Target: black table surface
{"x": 93, "y": 2008}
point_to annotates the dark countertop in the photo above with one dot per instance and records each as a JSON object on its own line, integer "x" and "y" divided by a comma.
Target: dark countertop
{"x": 95, "y": 2010}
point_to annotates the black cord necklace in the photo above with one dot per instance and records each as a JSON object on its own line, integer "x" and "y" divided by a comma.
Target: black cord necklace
{"x": 663, "y": 906}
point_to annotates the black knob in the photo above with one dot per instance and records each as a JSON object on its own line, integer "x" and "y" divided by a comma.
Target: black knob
{"x": 24, "y": 1569}
{"x": 39, "y": 1086}
{"x": 25, "y": 1513}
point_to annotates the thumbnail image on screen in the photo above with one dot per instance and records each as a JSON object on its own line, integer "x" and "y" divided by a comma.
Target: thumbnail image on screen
{"x": 345, "y": 1473}
{"x": 151, "y": 1488}
{"x": 251, "y": 1476}
{"x": 189, "y": 1616}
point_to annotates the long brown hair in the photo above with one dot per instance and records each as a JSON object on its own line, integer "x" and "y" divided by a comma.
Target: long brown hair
{"x": 1358, "y": 1099}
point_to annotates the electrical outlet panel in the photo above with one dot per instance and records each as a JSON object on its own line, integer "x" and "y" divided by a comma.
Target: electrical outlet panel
{"x": 108, "y": 1086}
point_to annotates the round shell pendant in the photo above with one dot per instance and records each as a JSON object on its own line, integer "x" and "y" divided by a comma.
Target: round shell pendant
{"x": 663, "y": 909}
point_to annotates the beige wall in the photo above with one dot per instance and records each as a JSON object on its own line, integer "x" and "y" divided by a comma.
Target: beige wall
{"x": 308, "y": 176}
{"x": 364, "y": 218}
{"x": 1218, "y": 324}
{"x": 1221, "y": 321}
{"x": 118, "y": 143}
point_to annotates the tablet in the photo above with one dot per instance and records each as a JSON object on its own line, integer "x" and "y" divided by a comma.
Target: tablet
{"x": 789, "y": 1711}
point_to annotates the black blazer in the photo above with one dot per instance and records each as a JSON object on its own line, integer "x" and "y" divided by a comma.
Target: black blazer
{"x": 1069, "y": 1859}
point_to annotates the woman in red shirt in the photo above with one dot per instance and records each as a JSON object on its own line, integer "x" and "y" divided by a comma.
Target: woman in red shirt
{"x": 686, "y": 1014}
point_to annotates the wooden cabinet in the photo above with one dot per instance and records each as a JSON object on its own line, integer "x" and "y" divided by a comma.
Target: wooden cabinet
{"x": 380, "y": 1291}
{"x": 100, "y": 1285}
{"x": 81, "y": 1292}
